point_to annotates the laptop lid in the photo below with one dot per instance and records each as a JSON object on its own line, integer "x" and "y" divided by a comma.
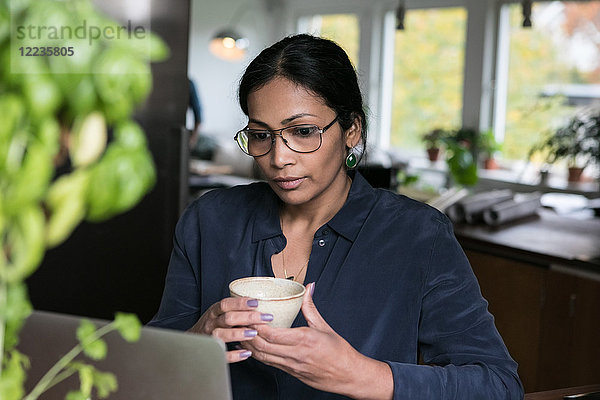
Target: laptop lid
{"x": 162, "y": 365}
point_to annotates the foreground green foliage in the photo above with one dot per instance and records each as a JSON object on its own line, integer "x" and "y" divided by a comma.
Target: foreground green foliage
{"x": 69, "y": 151}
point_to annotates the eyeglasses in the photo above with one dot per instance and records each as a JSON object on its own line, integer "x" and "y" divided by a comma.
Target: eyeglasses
{"x": 299, "y": 138}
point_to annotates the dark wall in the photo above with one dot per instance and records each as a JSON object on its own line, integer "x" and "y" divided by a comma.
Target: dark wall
{"x": 120, "y": 265}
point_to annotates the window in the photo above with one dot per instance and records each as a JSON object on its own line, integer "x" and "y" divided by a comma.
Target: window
{"x": 341, "y": 28}
{"x": 552, "y": 68}
{"x": 428, "y": 74}
{"x": 524, "y": 81}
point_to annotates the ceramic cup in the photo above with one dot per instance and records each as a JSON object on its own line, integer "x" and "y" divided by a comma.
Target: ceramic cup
{"x": 280, "y": 297}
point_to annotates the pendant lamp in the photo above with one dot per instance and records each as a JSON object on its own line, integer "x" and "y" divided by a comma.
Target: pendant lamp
{"x": 228, "y": 44}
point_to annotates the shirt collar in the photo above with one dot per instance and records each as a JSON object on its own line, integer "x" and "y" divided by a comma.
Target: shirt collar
{"x": 351, "y": 217}
{"x": 266, "y": 219}
{"x": 347, "y": 222}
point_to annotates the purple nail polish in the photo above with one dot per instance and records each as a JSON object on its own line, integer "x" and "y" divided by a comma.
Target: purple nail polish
{"x": 250, "y": 333}
{"x": 245, "y": 354}
{"x": 266, "y": 317}
{"x": 252, "y": 303}
{"x": 312, "y": 289}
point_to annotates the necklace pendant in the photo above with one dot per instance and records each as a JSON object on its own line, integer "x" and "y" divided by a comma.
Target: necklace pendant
{"x": 290, "y": 278}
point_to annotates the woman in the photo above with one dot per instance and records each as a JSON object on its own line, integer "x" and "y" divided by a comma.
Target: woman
{"x": 387, "y": 280}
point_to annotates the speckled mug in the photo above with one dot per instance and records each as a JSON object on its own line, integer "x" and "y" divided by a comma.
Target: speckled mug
{"x": 280, "y": 297}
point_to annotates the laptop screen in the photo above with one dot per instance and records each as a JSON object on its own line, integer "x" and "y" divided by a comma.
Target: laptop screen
{"x": 162, "y": 365}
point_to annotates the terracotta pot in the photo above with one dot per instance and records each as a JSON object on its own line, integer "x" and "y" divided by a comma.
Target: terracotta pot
{"x": 490, "y": 163}
{"x": 433, "y": 153}
{"x": 575, "y": 174}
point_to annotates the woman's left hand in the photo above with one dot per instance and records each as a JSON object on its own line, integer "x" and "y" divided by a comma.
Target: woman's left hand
{"x": 321, "y": 358}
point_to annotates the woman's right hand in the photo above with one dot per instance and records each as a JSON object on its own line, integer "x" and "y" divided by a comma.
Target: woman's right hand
{"x": 230, "y": 320}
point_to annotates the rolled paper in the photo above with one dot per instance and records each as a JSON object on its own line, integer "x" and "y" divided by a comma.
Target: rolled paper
{"x": 470, "y": 209}
{"x": 523, "y": 205}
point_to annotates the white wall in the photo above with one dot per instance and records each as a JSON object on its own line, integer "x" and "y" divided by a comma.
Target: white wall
{"x": 217, "y": 79}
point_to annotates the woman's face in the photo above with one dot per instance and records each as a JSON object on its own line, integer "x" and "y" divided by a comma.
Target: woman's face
{"x": 300, "y": 178}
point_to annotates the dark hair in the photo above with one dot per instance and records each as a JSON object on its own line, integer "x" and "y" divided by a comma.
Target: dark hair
{"x": 317, "y": 64}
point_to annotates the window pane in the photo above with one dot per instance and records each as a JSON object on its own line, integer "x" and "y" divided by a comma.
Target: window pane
{"x": 341, "y": 28}
{"x": 428, "y": 74}
{"x": 552, "y": 68}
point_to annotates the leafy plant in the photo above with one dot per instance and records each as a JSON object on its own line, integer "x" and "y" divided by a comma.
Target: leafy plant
{"x": 406, "y": 179}
{"x": 577, "y": 141}
{"x": 69, "y": 151}
{"x": 460, "y": 147}
{"x": 487, "y": 145}
{"x": 434, "y": 138}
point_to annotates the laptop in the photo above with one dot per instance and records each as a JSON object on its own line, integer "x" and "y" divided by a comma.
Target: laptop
{"x": 162, "y": 365}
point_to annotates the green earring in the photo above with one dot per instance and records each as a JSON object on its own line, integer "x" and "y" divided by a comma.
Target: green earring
{"x": 351, "y": 160}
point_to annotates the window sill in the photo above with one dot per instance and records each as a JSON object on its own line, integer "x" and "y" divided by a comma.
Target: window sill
{"x": 519, "y": 177}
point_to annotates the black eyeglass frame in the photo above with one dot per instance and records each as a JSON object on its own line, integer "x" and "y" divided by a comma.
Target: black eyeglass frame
{"x": 278, "y": 132}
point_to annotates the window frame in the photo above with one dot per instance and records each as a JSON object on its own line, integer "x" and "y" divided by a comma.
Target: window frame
{"x": 486, "y": 70}
{"x": 371, "y": 16}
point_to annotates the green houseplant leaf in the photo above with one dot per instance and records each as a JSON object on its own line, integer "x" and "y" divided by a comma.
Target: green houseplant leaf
{"x": 105, "y": 383}
{"x": 129, "y": 326}
{"x": 13, "y": 376}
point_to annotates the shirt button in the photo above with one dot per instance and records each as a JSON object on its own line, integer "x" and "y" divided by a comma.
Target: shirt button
{"x": 325, "y": 232}
{"x": 321, "y": 243}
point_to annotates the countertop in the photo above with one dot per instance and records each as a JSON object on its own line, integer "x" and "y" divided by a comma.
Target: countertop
{"x": 545, "y": 239}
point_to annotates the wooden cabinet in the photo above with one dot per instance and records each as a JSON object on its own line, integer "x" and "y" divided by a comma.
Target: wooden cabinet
{"x": 514, "y": 291}
{"x": 549, "y": 319}
{"x": 570, "y": 337}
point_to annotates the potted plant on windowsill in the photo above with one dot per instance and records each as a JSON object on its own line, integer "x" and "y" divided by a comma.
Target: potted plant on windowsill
{"x": 69, "y": 151}
{"x": 488, "y": 147}
{"x": 460, "y": 147}
{"x": 433, "y": 141}
{"x": 576, "y": 142}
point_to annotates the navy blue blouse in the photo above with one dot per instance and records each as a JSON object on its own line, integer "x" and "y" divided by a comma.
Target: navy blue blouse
{"x": 390, "y": 278}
